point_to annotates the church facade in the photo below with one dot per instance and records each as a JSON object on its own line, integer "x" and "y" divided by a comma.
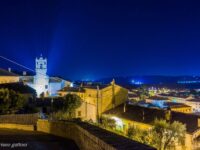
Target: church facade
{"x": 41, "y": 82}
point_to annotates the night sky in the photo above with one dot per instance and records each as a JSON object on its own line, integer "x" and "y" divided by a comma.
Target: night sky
{"x": 96, "y": 39}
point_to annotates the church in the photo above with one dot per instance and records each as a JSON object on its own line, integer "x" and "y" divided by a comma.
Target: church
{"x": 41, "y": 82}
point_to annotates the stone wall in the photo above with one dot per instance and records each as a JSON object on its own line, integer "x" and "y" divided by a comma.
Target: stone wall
{"x": 89, "y": 137}
{"x": 25, "y": 119}
{"x": 17, "y": 126}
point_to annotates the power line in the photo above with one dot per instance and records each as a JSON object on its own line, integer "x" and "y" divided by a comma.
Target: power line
{"x": 18, "y": 64}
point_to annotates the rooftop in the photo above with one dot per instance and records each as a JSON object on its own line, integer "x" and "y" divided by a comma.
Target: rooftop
{"x": 148, "y": 115}
{"x": 72, "y": 89}
{"x": 178, "y": 95}
{"x": 194, "y": 100}
{"x": 158, "y": 98}
{"x": 95, "y": 86}
{"x": 176, "y": 105}
{"x": 4, "y": 72}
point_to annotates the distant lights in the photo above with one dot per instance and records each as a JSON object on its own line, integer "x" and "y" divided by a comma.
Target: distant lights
{"x": 136, "y": 82}
{"x": 188, "y": 82}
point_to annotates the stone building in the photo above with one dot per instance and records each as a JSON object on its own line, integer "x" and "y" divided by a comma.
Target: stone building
{"x": 126, "y": 115}
{"x": 8, "y": 76}
{"x": 97, "y": 99}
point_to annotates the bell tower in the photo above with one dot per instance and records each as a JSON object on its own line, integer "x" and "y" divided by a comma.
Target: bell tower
{"x": 41, "y": 66}
{"x": 41, "y": 79}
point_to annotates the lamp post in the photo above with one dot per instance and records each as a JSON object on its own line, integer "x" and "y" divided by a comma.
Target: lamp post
{"x": 51, "y": 108}
{"x": 97, "y": 104}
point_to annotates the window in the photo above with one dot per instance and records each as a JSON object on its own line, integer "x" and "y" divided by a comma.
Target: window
{"x": 46, "y": 86}
{"x": 79, "y": 113}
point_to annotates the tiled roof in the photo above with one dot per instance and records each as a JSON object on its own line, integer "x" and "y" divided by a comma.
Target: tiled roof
{"x": 176, "y": 105}
{"x": 72, "y": 89}
{"x": 148, "y": 115}
{"x": 194, "y": 100}
{"x": 95, "y": 86}
{"x": 6, "y": 73}
{"x": 175, "y": 95}
{"x": 158, "y": 98}
{"x": 55, "y": 79}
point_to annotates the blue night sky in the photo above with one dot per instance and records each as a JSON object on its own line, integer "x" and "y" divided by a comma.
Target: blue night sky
{"x": 95, "y": 39}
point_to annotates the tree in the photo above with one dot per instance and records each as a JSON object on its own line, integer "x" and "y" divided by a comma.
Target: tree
{"x": 65, "y": 109}
{"x": 143, "y": 92}
{"x": 71, "y": 102}
{"x": 163, "y": 135}
{"x": 11, "y": 101}
{"x": 140, "y": 135}
{"x": 168, "y": 135}
{"x": 108, "y": 122}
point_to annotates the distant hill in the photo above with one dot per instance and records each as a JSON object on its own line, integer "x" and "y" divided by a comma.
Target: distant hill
{"x": 184, "y": 81}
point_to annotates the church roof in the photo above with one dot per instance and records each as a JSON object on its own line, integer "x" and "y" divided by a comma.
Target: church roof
{"x": 4, "y": 72}
{"x": 95, "y": 86}
{"x": 55, "y": 79}
{"x": 72, "y": 89}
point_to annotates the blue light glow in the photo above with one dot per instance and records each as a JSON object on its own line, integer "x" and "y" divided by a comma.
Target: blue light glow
{"x": 136, "y": 82}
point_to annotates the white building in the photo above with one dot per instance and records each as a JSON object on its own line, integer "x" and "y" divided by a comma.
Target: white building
{"x": 41, "y": 82}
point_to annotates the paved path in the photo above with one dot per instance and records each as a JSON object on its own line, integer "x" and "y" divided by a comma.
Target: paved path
{"x": 33, "y": 140}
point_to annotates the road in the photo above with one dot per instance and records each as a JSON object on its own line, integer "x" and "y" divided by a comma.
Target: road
{"x": 33, "y": 140}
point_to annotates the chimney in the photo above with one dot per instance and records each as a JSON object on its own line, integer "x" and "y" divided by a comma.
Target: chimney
{"x": 24, "y": 73}
{"x": 124, "y": 107}
{"x": 9, "y": 69}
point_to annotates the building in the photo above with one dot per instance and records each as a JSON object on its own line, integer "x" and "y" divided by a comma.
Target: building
{"x": 41, "y": 82}
{"x": 179, "y": 107}
{"x": 165, "y": 104}
{"x": 8, "y": 76}
{"x": 126, "y": 116}
{"x": 97, "y": 99}
{"x": 133, "y": 96}
{"x": 186, "y": 99}
{"x": 157, "y": 101}
{"x": 195, "y": 104}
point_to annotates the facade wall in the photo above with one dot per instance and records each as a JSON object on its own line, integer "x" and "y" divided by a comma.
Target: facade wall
{"x": 87, "y": 111}
{"x": 111, "y": 97}
{"x": 9, "y": 79}
{"x": 182, "y": 109}
{"x": 54, "y": 87}
{"x": 90, "y": 96}
{"x": 99, "y": 101}
{"x": 17, "y": 126}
